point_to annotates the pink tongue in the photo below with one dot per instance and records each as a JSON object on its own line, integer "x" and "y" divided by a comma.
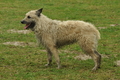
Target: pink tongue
{"x": 26, "y": 26}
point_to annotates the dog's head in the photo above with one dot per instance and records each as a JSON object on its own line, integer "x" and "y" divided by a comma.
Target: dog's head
{"x": 31, "y": 18}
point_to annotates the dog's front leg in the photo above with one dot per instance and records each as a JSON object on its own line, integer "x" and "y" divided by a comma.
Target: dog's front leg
{"x": 54, "y": 51}
{"x": 49, "y": 59}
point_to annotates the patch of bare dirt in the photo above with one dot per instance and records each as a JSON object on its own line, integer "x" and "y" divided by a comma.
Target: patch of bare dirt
{"x": 19, "y": 31}
{"x": 86, "y": 57}
{"x": 23, "y": 44}
{"x": 102, "y": 28}
{"x": 43, "y": 50}
{"x": 113, "y": 25}
{"x": 81, "y": 56}
{"x": 118, "y": 63}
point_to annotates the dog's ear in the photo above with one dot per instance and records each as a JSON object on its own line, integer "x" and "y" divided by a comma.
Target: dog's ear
{"x": 39, "y": 11}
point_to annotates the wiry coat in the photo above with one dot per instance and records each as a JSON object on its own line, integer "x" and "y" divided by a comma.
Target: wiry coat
{"x": 54, "y": 34}
{"x": 60, "y": 33}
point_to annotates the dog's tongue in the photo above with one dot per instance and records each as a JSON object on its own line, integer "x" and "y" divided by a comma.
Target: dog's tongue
{"x": 27, "y": 25}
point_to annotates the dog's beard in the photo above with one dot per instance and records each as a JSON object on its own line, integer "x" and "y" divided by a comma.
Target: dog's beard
{"x": 29, "y": 25}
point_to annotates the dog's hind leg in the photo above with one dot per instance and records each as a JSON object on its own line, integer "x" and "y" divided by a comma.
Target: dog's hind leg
{"x": 96, "y": 57}
{"x": 90, "y": 48}
{"x": 99, "y": 58}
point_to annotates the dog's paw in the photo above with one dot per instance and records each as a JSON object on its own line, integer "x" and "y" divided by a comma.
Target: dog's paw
{"x": 46, "y": 65}
{"x": 59, "y": 67}
{"x": 95, "y": 68}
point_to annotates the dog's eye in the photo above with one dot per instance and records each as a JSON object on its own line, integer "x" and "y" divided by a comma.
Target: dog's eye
{"x": 28, "y": 17}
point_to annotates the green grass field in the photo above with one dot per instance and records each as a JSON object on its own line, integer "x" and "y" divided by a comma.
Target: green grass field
{"x": 27, "y": 63}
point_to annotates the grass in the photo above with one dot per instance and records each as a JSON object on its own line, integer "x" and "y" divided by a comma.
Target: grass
{"x": 27, "y": 63}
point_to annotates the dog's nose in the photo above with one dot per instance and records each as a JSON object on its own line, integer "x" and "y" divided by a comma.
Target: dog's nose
{"x": 22, "y": 22}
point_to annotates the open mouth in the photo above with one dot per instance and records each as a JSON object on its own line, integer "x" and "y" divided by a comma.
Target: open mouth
{"x": 29, "y": 25}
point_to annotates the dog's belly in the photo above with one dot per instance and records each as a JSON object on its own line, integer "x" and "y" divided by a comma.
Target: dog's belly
{"x": 61, "y": 43}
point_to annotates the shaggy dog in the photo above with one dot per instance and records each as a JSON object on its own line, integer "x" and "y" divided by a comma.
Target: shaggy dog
{"x": 53, "y": 34}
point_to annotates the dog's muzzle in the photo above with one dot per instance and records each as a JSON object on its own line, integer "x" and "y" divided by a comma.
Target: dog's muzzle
{"x": 28, "y": 25}
{"x": 23, "y": 22}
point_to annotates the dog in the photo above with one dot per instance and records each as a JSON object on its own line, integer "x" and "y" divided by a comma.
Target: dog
{"x": 53, "y": 34}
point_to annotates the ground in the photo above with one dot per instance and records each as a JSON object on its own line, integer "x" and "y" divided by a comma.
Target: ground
{"x": 22, "y": 59}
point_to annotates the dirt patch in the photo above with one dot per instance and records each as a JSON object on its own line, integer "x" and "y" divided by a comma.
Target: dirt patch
{"x": 81, "y": 56}
{"x": 86, "y": 57}
{"x": 18, "y": 31}
{"x": 118, "y": 63}
{"x": 23, "y": 44}
{"x": 113, "y": 25}
{"x": 102, "y": 28}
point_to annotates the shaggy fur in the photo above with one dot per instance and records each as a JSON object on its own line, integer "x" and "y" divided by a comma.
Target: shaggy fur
{"x": 53, "y": 34}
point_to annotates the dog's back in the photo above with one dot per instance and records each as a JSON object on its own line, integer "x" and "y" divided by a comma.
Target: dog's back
{"x": 73, "y": 31}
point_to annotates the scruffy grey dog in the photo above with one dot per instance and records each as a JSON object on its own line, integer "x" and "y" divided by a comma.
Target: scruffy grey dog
{"x": 53, "y": 34}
